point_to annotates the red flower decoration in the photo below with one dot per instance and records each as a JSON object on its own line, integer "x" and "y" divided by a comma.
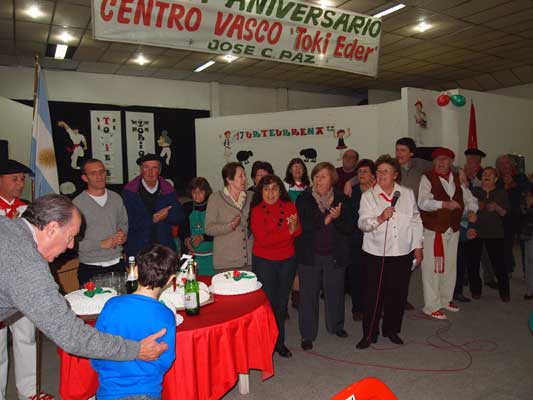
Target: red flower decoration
{"x": 90, "y": 286}
{"x": 184, "y": 280}
{"x": 236, "y": 274}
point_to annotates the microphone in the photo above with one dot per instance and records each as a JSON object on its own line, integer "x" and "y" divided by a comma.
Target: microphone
{"x": 395, "y": 198}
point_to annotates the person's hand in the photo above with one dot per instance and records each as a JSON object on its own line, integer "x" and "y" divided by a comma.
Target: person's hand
{"x": 196, "y": 240}
{"x": 472, "y": 217}
{"x": 451, "y": 205}
{"x": 471, "y": 234}
{"x": 491, "y": 206}
{"x": 121, "y": 237}
{"x": 419, "y": 256}
{"x": 334, "y": 213}
{"x": 386, "y": 214}
{"x": 235, "y": 222}
{"x": 462, "y": 177}
{"x": 150, "y": 349}
{"x": 189, "y": 245}
{"x": 348, "y": 188}
{"x": 372, "y": 182}
{"x": 161, "y": 215}
{"x": 292, "y": 220}
{"x": 108, "y": 243}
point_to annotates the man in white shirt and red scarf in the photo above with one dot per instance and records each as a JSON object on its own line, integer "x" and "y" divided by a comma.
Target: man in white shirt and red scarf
{"x": 441, "y": 201}
{"x": 12, "y": 179}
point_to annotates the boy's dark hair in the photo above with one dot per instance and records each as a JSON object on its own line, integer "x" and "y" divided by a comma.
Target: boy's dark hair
{"x": 199, "y": 183}
{"x": 155, "y": 265}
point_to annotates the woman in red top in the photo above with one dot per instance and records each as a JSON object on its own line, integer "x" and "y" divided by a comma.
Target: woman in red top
{"x": 274, "y": 223}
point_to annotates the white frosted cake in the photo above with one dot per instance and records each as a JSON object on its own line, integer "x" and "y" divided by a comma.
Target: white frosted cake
{"x": 234, "y": 282}
{"x": 85, "y": 305}
{"x": 174, "y": 299}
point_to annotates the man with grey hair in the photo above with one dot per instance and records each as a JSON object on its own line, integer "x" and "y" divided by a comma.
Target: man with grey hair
{"x": 47, "y": 228}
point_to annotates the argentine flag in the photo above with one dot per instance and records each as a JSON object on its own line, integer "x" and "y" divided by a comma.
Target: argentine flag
{"x": 43, "y": 156}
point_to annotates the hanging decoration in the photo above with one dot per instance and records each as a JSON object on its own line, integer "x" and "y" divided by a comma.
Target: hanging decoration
{"x": 458, "y": 100}
{"x": 443, "y": 100}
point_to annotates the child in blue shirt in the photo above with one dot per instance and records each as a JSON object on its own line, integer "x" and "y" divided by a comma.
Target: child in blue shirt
{"x": 134, "y": 317}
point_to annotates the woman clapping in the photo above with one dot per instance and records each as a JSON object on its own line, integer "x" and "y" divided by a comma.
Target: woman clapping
{"x": 274, "y": 224}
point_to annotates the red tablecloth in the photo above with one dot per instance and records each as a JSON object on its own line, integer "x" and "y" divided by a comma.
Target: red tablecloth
{"x": 229, "y": 337}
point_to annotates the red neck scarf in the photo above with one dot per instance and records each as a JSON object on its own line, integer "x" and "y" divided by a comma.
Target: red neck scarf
{"x": 10, "y": 210}
{"x": 387, "y": 199}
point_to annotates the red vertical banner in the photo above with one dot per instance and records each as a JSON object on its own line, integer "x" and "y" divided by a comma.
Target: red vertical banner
{"x": 472, "y": 129}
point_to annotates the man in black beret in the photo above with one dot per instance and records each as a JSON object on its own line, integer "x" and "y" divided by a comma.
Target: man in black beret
{"x": 473, "y": 169}
{"x": 12, "y": 180}
{"x": 152, "y": 207}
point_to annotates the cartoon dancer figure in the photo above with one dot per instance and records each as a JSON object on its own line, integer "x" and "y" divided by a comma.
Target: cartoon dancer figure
{"x": 79, "y": 144}
{"x": 420, "y": 115}
{"x": 340, "y": 135}
{"x": 227, "y": 145}
{"x": 164, "y": 142}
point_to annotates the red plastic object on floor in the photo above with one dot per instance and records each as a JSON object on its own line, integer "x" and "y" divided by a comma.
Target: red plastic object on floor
{"x": 366, "y": 389}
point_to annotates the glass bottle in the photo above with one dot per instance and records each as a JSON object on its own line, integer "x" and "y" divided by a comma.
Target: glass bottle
{"x": 131, "y": 282}
{"x": 192, "y": 291}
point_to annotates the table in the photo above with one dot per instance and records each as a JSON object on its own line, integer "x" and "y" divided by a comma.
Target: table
{"x": 228, "y": 338}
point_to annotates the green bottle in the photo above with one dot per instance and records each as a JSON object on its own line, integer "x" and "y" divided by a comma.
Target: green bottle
{"x": 131, "y": 282}
{"x": 192, "y": 291}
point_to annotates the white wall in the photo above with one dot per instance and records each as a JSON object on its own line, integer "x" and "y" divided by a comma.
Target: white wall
{"x": 504, "y": 124}
{"x": 372, "y": 130}
{"x": 17, "y": 83}
{"x": 523, "y": 91}
{"x": 376, "y": 96}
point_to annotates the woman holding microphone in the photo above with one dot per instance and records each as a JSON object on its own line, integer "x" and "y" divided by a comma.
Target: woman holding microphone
{"x": 392, "y": 244}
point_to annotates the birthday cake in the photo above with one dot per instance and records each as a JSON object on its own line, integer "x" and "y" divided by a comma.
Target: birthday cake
{"x": 234, "y": 282}
{"x": 84, "y": 304}
{"x": 173, "y": 299}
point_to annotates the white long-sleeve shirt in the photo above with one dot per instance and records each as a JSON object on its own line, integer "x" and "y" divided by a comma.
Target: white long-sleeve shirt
{"x": 405, "y": 226}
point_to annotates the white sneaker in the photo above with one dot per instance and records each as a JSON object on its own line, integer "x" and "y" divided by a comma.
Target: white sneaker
{"x": 438, "y": 315}
{"x": 452, "y": 307}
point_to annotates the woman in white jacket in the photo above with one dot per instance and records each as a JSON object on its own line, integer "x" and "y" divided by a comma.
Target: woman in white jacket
{"x": 392, "y": 244}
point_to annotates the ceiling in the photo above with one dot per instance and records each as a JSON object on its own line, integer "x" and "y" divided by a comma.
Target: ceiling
{"x": 476, "y": 44}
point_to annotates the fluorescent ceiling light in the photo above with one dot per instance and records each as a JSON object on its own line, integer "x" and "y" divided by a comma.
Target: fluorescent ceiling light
{"x": 34, "y": 11}
{"x": 230, "y": 58}
{"x": 204, "y": 66}
{"x": 325, "y": 3}
{"x": 423, "y": 26}
{"x": 61, "y": 51}
{"x": 141, "y": 60}
{"x": 389, "y": 10}
{"x": 65, "y": 37}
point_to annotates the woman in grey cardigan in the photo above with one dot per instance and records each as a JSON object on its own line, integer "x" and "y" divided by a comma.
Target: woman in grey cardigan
{"x": 227, "y": 221}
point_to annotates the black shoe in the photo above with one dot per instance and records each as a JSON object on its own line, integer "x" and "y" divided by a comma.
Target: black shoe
{"x": 342, "y": 333}
{"x": 307, "y": 344}
{"x": 283, "y": 351}
{"x": 394, "y": 338}
{"x": 357, "y": 316}
{"x": 409, "y": 306}
{"x": 492, "y": 285}
{"x": 528, "y": 297}
{"x": 461, "y": 297}
{"x": 364, "y": 343}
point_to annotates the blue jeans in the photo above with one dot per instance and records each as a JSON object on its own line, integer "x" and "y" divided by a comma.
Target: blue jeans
{"x": 276, "y": 277}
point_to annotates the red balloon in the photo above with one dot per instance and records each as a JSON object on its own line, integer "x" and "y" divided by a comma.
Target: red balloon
{"x": 443, "y": 100}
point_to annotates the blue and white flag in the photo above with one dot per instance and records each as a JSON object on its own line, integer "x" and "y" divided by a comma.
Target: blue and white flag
{"x": 43, "y": 157}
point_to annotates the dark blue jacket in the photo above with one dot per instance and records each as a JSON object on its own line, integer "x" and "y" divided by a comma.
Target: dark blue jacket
{"x": 140, "y": 223}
